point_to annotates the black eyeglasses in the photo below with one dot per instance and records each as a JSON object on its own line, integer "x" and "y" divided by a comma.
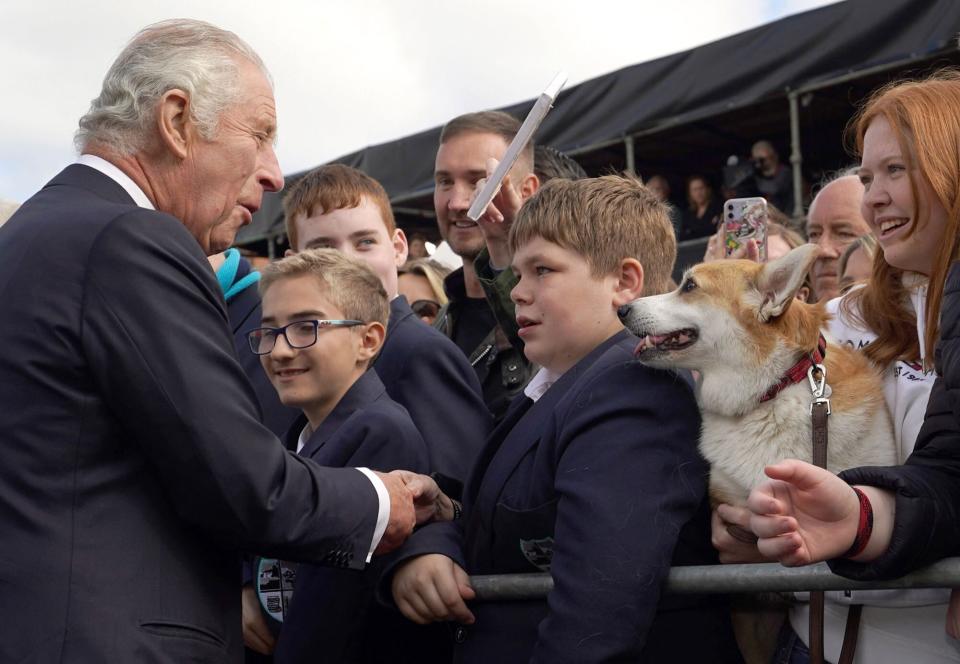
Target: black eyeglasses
{"x": 298, "y": 334}
{"x": 425, "y": 308}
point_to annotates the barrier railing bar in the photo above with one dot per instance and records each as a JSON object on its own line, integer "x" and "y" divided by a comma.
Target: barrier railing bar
{"x": 764, "y": 577}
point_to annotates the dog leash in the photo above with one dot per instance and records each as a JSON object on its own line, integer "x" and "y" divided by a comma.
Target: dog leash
{"x": 819, "y": 412}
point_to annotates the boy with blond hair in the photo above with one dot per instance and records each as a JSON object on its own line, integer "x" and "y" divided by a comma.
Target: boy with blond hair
{"x": 594, "y": 474}
{"x": 324, "y": 322}
{"x": 342, "y": 208}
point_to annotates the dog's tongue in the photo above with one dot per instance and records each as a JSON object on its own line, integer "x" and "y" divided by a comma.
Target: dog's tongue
{"x": 649, "y": 341}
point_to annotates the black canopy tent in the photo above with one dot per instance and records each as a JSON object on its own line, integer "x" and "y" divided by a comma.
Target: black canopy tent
{"x": 795, "y": 81}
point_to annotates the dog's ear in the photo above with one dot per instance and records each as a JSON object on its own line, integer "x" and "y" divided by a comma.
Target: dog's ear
{"x": 779, "y": 280}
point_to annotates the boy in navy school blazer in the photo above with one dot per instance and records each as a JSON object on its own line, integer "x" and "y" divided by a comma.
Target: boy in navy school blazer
{"x": 594, "y": 474}
{"x": 324, "y": 318}
{"x": 342, "y": 208}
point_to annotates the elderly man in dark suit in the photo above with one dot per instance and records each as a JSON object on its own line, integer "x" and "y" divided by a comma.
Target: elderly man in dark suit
{"x": 133, "y": 464}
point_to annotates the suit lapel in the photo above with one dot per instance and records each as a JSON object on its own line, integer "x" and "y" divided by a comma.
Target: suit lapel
{"x": 527, "y": 432}
{"x": 368, "y": 388}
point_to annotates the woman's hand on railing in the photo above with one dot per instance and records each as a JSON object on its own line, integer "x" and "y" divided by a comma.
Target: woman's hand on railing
{"x": 803, "y": 514}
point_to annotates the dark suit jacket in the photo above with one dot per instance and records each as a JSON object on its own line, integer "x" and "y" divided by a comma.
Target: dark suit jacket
{"x": 134, "y": 467}
{"x": 244, "y": 312}
{"x": 428, "y": 375}
{"x": 333, "y": 617}
{"x": 927, "y": 486}
{"x": 601, "y": 481}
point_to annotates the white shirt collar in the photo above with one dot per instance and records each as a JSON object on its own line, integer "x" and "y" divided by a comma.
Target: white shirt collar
{"x": 118, "y": 176}
{"x": 542, "y": 381}
{"x": 304, "y": 437}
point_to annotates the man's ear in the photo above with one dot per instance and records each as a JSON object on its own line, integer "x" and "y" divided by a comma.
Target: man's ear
{"x": 528, "y": 186}
{"x": 371, "y": 340}
{"x": 629, "y": 282}
{"x": 400, "y": 248}
{"x": 779, "y": 281}
{"x": 174, "y": 126}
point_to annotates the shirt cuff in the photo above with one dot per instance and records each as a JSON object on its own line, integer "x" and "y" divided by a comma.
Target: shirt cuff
{"x": 383, "y": 515}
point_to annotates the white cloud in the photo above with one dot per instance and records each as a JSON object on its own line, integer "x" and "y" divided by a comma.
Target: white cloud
{"x": 347, "y": 74}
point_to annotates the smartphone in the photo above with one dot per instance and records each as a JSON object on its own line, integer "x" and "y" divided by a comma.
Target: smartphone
{"x": 745, "y": 219}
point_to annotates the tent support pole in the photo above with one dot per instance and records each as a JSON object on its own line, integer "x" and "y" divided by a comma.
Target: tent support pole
{"x": 631, "y": 159}
{"x": 796, "y": 158}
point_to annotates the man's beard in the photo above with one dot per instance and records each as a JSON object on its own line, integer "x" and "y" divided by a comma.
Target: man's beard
{"x": 466, "y": 248}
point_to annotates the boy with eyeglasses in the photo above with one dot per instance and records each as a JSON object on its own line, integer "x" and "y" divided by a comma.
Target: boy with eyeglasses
{"x": 324, "y": 319}
{"x": 341, "y": 208}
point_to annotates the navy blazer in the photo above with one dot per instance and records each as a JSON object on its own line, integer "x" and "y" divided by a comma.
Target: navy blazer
{"x": 427, "y": 374}
{"x": 600, "y": 483}
{"x": 134, "y": 466}
{"x": 332, "y": 616}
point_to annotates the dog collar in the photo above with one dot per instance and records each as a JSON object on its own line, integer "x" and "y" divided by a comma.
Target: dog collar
{"x": 798, "y": 372}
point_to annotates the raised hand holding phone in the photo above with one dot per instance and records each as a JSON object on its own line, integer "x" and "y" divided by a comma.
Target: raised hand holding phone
{"x": 745, "y": 220}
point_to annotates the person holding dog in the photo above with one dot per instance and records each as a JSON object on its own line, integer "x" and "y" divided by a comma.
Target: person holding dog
{"x": 901, "y": 517}
{"x": 593, "y": 475}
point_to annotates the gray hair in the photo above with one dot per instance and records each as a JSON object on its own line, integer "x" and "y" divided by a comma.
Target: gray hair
{"x": 196, "y": 57}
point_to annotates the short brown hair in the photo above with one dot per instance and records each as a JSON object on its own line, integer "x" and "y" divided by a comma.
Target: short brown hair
{"x": 499, "y": 123}
{"x": 347, "y": 282}
{"x": 333, "y": 187}
{"x": 605, "y": 220}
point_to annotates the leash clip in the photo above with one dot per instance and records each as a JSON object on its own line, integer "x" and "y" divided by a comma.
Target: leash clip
{"x": 817, "y": 378}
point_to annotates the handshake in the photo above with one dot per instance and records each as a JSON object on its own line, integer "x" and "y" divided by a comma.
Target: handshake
{"x": 414, "y": 500}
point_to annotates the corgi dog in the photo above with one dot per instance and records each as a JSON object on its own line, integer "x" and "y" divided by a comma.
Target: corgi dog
{"x": 737, "y": 323}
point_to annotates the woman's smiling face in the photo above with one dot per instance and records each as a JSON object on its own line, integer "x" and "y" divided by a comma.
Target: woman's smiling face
{"x": 889, "y": 206}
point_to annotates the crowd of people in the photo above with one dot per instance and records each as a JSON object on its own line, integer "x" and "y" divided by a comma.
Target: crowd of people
{"x": 310, "y": 460}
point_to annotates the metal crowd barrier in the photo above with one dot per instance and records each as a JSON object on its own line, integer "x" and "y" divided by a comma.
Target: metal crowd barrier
{"x": 764, "y": 577}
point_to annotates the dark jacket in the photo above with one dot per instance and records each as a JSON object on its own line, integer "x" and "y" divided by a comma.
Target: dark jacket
{"x": 333, "y": 616}
{"x": 134, "y": 467}
{"x": 927, "y": 486}
{"x": 427, "y": 374}
{"x": 498, "y": 360}
{"x": 600, "y": 483}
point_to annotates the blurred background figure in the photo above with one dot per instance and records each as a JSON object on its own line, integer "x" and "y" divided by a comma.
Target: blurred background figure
{"x": 417, "y": 246}
{"x": 856, "y": 263}
{"x": 774, "y": 181}
{"x": 421, "y": 282}
{"x": 703, "y": 211}
{"x": 661, "y": 189}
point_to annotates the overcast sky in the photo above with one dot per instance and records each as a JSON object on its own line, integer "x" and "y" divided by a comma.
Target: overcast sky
{"x": 347, "y": 74}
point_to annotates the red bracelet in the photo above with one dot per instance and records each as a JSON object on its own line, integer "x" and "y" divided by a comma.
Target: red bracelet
{"x": 864, "y": 528}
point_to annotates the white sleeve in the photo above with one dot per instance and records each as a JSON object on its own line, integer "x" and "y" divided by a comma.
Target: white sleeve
{"x": 383, "y": 516}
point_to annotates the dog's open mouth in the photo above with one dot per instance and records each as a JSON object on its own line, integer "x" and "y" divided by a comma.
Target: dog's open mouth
{"x": 672, "y": 341}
